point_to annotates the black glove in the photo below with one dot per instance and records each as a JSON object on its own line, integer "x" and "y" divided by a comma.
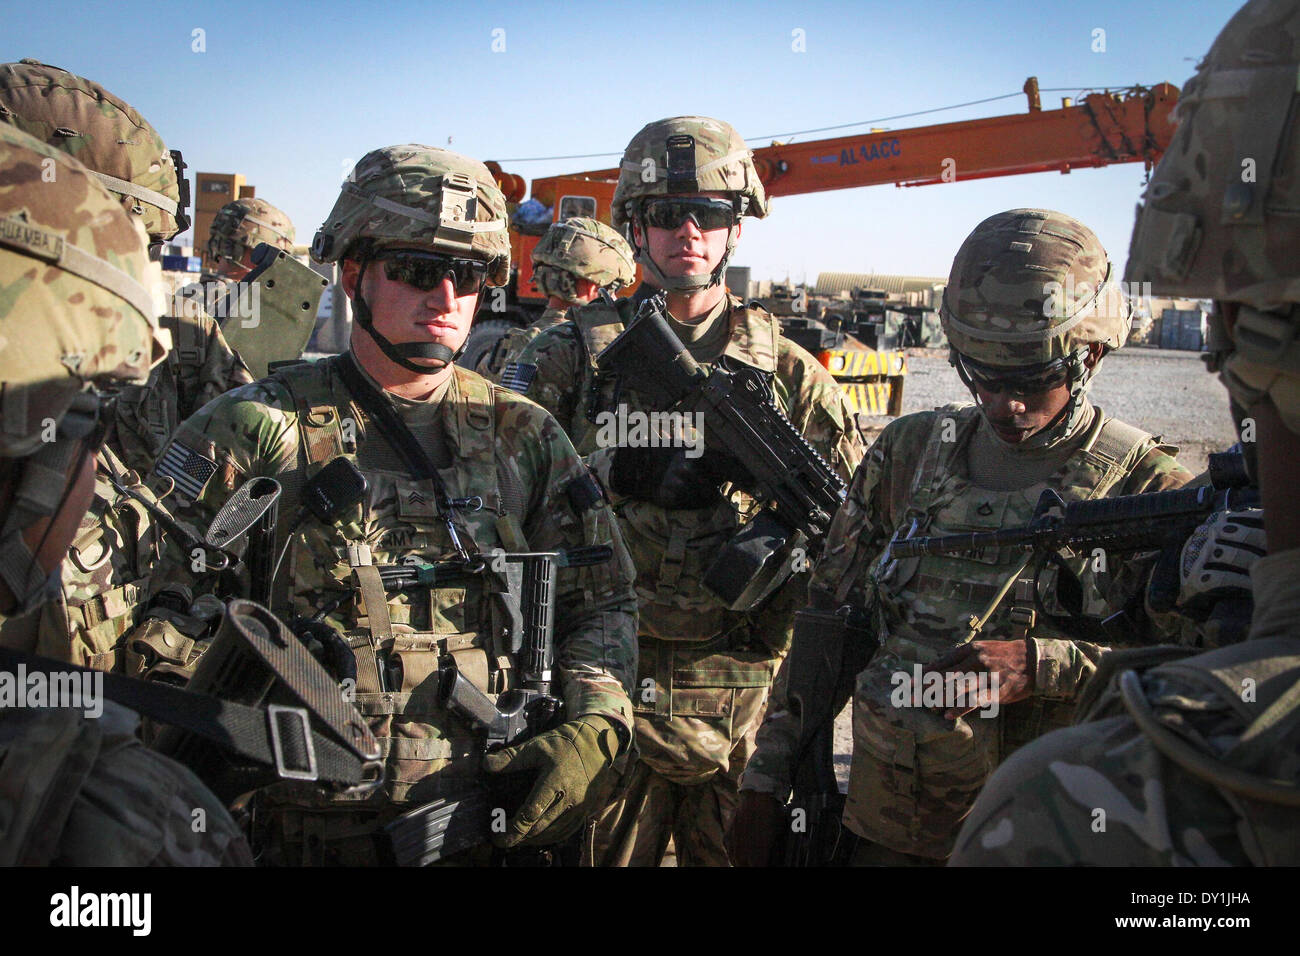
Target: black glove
{"x": 667, "y": 477}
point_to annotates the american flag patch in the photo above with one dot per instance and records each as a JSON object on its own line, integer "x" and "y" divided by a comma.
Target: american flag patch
{"x": 518, "y": 376}
{"x": 187, "y": 468}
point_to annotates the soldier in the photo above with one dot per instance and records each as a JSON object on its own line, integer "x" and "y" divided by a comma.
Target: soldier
{"x": 76, "y": 310}
{"x": 1194, "y": 761}
{"x": 105, "y": 574}
{"x": 1030, "y": 310}
{"x": 705, "y": 668}
{"x": 238, "y": 228}
{"x": 572, "y": 263}
{"x": 456, "y": 468}
{"x": 129, "y": 157}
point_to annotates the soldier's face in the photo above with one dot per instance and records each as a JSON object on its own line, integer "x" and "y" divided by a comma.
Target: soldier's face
{"x": 403, "y": 313}
{"x": 687, "y": 250}
{"x": 1018, "y": 417}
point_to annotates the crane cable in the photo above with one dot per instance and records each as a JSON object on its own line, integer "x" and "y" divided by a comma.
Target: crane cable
{"x": 827, "y": 129}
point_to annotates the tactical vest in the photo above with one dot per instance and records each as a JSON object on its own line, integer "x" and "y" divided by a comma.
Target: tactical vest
{"x": 915, "y": 774}
{"x": 147, "y": 415}
{"x": 399, "y": 637}
{"x": 1253, "y": 772}
{"x": 926, "y": 603}
{"x": 105, "y": 576}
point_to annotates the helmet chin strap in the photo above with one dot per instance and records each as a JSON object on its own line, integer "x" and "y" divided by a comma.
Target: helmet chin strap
{"x": 402, "y": 352}
{"x": 686, "y": 285}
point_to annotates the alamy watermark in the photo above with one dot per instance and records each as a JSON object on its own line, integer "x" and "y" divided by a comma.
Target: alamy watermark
{"x": 79, "y": 690}
{"x": 624, "y": 428}
{"x": 950, "y": 690}
{"x": 1069, "y": 299}
{"x": 235, "y": 301}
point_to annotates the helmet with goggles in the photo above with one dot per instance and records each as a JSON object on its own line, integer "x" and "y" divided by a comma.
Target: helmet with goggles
{"x": 426, "y": 213}
{"x": 1030, "y": 290}
{"x": 666, "y": 167}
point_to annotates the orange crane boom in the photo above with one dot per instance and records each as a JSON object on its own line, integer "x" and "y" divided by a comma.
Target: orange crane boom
{"x": 1105, "y": 128}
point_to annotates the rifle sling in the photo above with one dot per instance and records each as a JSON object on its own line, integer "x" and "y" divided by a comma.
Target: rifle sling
{"x": 243, "y": 730}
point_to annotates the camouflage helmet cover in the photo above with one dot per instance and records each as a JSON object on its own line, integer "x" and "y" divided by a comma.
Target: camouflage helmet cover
{"x": 588, "y": 249}
{"x": 115, "y": 142}
{"x": 687, "y": 154}
{"x": 243, "y": 224}
{"x": 1029, "y": 286}
{"x": 1219, "y": 219}
{"x": 78, "y": 305}
{"x": 413, "y": 196}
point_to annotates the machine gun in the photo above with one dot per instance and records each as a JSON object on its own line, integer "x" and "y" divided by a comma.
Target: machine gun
{"x": 801, "y": 489}
{"x": 451, "y": 824}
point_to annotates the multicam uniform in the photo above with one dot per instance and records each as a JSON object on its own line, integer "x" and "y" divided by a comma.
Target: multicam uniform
{"x": 109, "y": 562}
{"x": 571, "y": 249}
{"x": 75, "y": 789}
{"x": 915, "y": 773}
{"x": 1194, "y": 761}
{"x": 704, "y": 670}
{"x": 489, "y": 446}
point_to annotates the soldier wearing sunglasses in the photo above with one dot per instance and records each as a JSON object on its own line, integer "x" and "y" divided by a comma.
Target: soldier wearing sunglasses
{"x": 1030, "y": 311}
{"x": 684, "y": 185}
{"x": 457, "y": 468}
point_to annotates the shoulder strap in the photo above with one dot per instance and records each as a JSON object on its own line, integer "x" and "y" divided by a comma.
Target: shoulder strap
{"x": 1117, "y": 447}
{"x": 399, "y": 436}
{"x": 598, "y": 325}
{"x": 320, "y": 414}
{"x": 938, "y": 452}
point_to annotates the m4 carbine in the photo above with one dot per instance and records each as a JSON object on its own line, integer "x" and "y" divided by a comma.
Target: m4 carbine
{"x": 451, "y": 824}
{"x": 802, "y": 491}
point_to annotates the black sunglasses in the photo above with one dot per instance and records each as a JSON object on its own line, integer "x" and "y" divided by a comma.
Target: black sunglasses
{"x": 1016, "y": 382}
{"x": 705, "y": 213}
{"x": 427, "y": 270}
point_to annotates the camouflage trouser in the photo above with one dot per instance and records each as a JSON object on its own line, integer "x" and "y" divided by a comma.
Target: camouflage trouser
{"x": 685, "y": 784}
{"x": 866, "y": 853}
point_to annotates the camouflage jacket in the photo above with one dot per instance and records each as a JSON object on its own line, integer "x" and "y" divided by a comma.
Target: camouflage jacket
{"x": 200, "y": 366}
{"x": 917, "y": 470}
{"x": 78, "y": 791}
{"x": 672, "y": 549}
{"x": 512, "y": 343}
{"x": 1109, "y": 792}
{"x": 535, "y": 495}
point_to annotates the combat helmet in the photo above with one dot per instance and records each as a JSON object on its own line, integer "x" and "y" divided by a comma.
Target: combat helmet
{"x": 243, "y": 224}
{"x": 423, "y": 199}
{"x": 1221, "y": 216}
{"x": 581, "y": 248}
{"x": 126, "y": 154}
{"x": 1030, "y": 290}
{"x": 683, "y": 155}
{"x": 77, "y": 312}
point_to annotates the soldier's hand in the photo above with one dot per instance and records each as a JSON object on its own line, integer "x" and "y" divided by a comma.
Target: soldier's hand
{"x": 574, "y": 768}
{"x": 1007, "y": 663}
{"x": 667, "y": 477}
{"x": 755, "y": 830}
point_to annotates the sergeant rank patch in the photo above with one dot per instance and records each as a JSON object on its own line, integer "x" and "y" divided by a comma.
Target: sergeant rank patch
{"x": 517, "y": 377}
{"x": 187, "y": 468}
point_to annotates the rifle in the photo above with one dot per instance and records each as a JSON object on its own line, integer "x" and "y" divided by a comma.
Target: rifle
{"x": 803, "y": 492}
{"x": 828, "y": 651}
{"x": 451, "y": 824}
{"x": 1128, "y": 524}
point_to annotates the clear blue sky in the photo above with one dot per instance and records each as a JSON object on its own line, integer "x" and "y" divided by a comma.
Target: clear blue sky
{"x": 290, "y": 94}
